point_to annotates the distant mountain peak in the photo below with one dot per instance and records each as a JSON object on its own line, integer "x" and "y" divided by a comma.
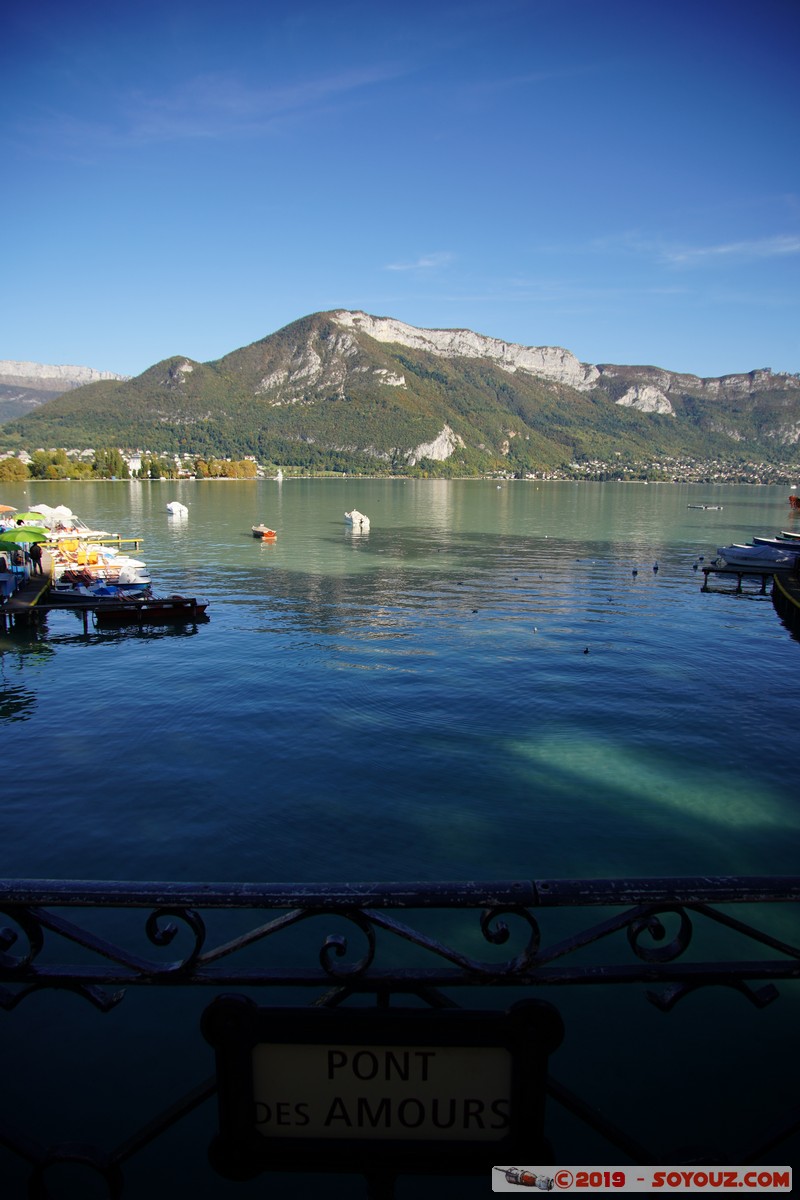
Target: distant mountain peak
{"x": 42, "y": 374}
{"x": 25, "y": 386}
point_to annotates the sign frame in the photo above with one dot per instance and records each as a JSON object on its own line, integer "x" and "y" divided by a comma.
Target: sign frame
{"x": 235, "y": 1025}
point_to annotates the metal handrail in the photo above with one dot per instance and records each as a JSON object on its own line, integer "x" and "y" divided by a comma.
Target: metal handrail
{"x": 656, "y": 918}
{"x": 539, "y": 893}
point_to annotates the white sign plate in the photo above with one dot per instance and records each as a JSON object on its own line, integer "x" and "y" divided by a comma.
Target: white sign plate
{"x": 434, "y": 1093}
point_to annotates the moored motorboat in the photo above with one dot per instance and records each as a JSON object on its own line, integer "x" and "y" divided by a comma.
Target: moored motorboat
{"x": 176, "y": 509}
{"x": 155, "y": 610}
{"x": 74, "y": 586}
{"x": 356, "y": 519}
{"x": 756, "y": 557}
{"x": 264, "y": 532}
{"x": 779, "y": 543}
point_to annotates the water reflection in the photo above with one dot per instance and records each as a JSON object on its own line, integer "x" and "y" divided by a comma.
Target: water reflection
{"x": 17, "y": 703}
{"x": 22, "y": 653}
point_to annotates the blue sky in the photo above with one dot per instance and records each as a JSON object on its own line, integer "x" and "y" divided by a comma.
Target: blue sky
{"x": 618, "y": 177}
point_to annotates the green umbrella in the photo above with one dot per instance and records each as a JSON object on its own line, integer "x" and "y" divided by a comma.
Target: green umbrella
{"x": 29, "y": 516}
{"x": 19, "y": 534}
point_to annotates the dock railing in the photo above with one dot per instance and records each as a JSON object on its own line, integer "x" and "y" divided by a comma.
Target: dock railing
{"x": 388, "y": 947}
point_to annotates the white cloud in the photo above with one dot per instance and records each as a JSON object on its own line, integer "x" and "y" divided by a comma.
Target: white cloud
{"x": 425, "y": 262}
{"x": 224, "y": 106}
{"x": 686, "y": 255}
{"x": 216, "y": 106}
{"x": 771, "y": 247}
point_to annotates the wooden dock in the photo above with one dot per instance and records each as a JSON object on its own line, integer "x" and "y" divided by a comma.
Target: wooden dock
{"x": 33, "y": 598}
{"x": 739, "y": 573}
{"x": 29, "y": 603}
{"x": 23, "y": 602}
{"x": 30, "y": 598}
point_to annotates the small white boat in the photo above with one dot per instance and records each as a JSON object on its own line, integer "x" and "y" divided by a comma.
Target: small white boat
{"x": 778, "y": 543}
{"x": 176, "y": 509}
{"x": 356, "y": 519}
{"x": 768, "y": 557}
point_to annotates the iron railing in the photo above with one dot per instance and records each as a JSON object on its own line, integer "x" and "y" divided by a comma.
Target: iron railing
{"x": 388, "y": 945}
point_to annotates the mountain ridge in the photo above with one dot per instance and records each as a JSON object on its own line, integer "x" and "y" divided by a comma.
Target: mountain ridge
{"x": 348, "y": 390}
{"x": 24, "y": 386}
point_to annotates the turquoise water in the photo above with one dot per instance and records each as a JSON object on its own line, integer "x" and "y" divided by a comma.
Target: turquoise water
{"x": 417, "y": 702}
{"x": 478, "y": 688}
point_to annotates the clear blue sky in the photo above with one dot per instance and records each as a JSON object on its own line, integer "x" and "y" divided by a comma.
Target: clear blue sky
{"x": 618, "y": 177}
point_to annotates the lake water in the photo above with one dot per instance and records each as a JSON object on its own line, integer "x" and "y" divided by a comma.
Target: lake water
{"x": 416, "y": 702}
{"x": 494, "y": 682}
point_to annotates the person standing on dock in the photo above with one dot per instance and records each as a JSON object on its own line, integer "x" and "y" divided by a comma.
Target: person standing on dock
{"x": 35, "y": 553}
{"x": 6, "y": 578}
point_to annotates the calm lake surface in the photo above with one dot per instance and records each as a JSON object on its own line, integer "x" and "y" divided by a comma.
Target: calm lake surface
{"x": 416, "y": 702}
{"x": 494, "y": 682}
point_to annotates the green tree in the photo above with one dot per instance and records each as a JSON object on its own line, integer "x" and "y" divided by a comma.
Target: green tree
{"x": 12, "y": 470}
{"x": 53, "y": 464}
{"x": 109, "y": 464}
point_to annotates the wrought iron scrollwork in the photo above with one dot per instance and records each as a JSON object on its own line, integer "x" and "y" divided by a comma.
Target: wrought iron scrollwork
{"x": 164, "y": 935}
{"x": 336, "y": 946}
{"x": 670, "y": 936}
{"x": 34, "y": 935}
{"x": 497, "y": 932}
{"x": 658, "y": 919}
{"x": 652, "y": 924}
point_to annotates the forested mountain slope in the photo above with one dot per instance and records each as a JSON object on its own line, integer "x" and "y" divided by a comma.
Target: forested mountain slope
{"x": 348, "y": 390}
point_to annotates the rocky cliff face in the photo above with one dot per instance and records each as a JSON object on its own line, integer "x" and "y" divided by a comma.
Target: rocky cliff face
{"x": 728, "y": 405}
{"x": 314, "y": 363}
{"x": 549, "y": 362}
{"x": 439, "y": 450}
{"x": 46, "y": 378}
{"x": 26, "y": 385}
{"x": 671, "y": 382}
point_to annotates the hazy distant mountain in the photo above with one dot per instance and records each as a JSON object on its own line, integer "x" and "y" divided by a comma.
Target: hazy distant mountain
{"x": 24, "y": 386}
{"x": 345, "y": 389}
